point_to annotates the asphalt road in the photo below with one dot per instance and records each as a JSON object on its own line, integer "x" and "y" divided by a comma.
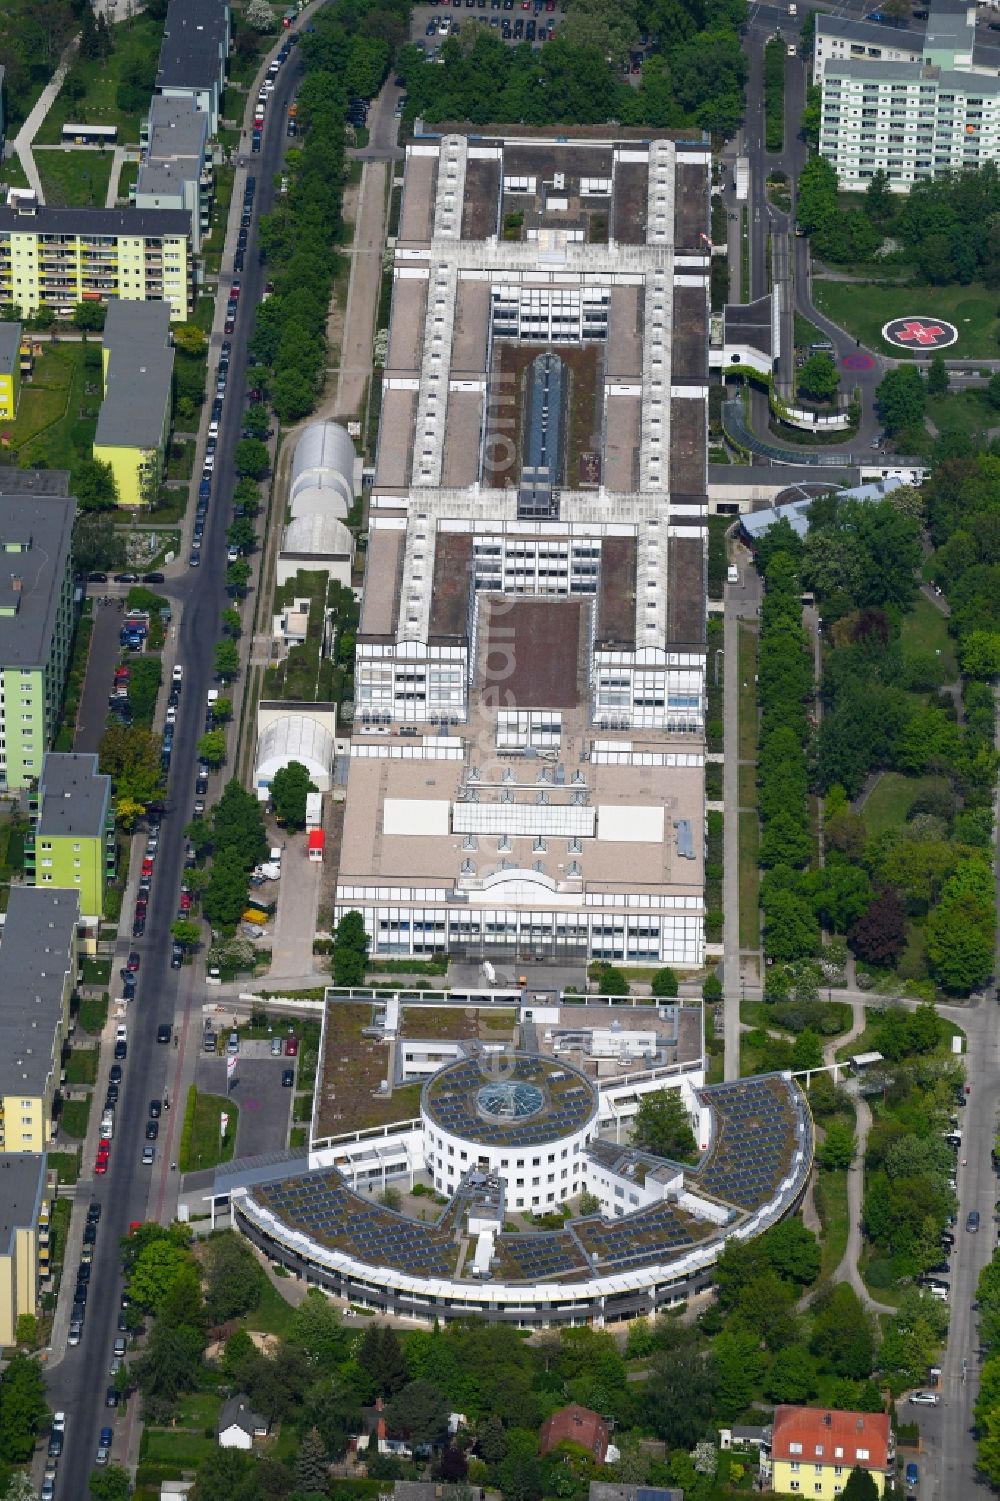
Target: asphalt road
{"x": 130, "y": 1191}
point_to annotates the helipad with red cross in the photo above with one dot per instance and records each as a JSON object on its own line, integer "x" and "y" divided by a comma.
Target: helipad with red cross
{"x": 919, "y": 333}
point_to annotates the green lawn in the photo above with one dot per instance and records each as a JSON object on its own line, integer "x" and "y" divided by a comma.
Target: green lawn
{"x": 831, "y": 1205}
{"x": 198, "y": 1410}
{"x": 74, "y": 178}
{"x": 966, "y": 412}
{"x": 138, "y": 38}
{"x": 748, "y": 786}
{"x": 892, "y": 798}
{"x": 81, "y": 1066}
{"x": 926, "y": 629}
{"x": 66, "y": 1165}
{"x": 95, "y": 971}
{"x": 749, "y": 910}
{"x": 176, "y": 1446}
{"x": 748, "y": 694}
{"x": 57, "y": 414}
{"x": 75, "y": 1118}
{"x": 863, "y": 308}
{"x": 180, "y": 460}
{"x": 273, "y": 1315}
{"x": 12, "y": 174}
{"x": 93, "y": 1015}
{"x": 203, "y": 1146}
{"x": 127, "y": 178}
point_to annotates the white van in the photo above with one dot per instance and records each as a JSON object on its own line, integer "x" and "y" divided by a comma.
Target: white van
{"x": 732, "y": 574}
{"x": 107, "y": 1125}
{"x": 213, "y": 697}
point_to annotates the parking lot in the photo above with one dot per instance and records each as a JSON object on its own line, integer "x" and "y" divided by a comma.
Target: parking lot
{"x": 515, "y": 21}
{"x": 256, "y": 1088}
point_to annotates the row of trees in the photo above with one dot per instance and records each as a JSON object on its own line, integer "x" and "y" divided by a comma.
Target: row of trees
{"x": 881, "y": 710}
{"x": 784, "y": 686}
{"x": 346, "y": 50}
{"x": 235, "y": 837}
{"x": 695, "y": 81}
{"x": 988, "y": 1396}
{"x": 908, "y": 1164}
{"x": 948, "y": 226}
{"x": 697, "y": 77}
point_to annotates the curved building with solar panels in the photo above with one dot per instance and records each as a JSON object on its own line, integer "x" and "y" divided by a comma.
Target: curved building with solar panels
{"x": 498, "y": 1134}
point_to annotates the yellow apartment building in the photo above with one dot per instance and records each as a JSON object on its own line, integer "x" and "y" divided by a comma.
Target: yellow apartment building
{"x": 62, "y": 256}
{"x": 38, "y": 968}
{"x": 10, "y": 370}
{"x": 23, "y": 1229}
{"x": 134, "y": 421}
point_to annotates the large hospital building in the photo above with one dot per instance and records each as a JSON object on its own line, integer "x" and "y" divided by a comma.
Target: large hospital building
{"x": 527, "y": 762}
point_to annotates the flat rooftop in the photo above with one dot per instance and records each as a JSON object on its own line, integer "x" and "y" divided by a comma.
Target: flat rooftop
{"x": 138, "y": 376}
{"x": 194, "y": 44}
{"x": 178, "y": 137}
{"x": 537, "y": 647}
{"x": 400, "y": 815}
{"x": 75, "y": 797}
{"x": 147, "y": 223}
{"x": 36, "y": 533}
{"x": 36, "y": 954}
{"x": 15, "y": 481}
{"x": 22, "y": 1188}
{"x": 10, "y": 347}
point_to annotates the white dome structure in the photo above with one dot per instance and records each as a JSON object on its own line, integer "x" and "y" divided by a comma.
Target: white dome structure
{"x": 295, "y": 737}
{"x": 323, "y": 472}
{"x": 316, "y": 541}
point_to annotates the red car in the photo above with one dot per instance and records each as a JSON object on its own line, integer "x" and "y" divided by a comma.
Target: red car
{"x": 133, "y": 961}
{"x": 234, "y": 290}
{"x": 101, "y": 1165}
{"x": 147, "y": 865}
{"x": 185, "y": 901}
{"x": 291, "y": 1046}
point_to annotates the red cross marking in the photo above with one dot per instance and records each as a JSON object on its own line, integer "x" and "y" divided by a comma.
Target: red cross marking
{"x": 916, "y": 332}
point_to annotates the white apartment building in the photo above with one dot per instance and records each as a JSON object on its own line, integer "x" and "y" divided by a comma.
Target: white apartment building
{"x": 906, "y": 113}
{"x": 908, "y": 121}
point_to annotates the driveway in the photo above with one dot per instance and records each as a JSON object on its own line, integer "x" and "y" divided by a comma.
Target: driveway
{"x": 256, "y": 1088}
{"x": 298, "y": 901}
{"x": 104, "y": 651}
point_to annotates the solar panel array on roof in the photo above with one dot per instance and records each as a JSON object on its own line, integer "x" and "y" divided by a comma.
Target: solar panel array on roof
{"x": 754, "y": 1141}
{"x": 753, "y": 1144}
{"x": 336, "y": 1216}
{"x": 452, "y": 1100}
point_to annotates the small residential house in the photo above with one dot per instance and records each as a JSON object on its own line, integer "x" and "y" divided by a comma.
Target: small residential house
{"x": 239, "y": 1425}
{"x": 375, "y": 1434}
{"x": 814, "y": 1450}
{"x": 577, "y": 1425}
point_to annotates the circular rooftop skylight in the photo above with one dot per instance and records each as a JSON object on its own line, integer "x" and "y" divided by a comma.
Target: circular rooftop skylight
{"x": 507, "y": 1101}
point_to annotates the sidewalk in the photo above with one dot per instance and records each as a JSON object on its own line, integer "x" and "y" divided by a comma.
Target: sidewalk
{"x": 22, "y": 141}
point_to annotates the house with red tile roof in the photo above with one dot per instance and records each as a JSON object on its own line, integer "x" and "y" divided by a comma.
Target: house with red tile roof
{"x": 814, "y": 1450}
